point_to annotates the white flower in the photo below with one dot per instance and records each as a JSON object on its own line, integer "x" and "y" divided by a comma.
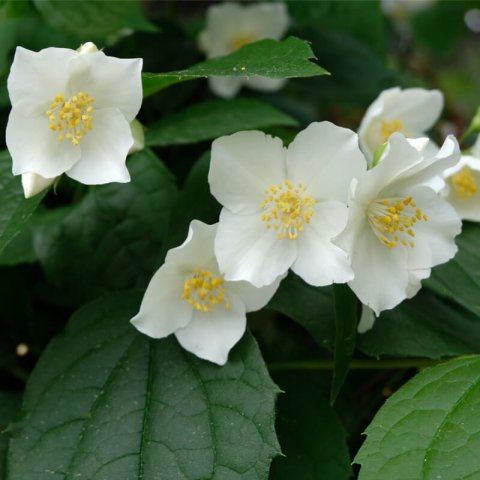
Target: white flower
{"x": 412, "y": 112}
{"x": 71, "y": 113}
{"x": 398, "y": 228}
{"x": 189, "y": 297}
{"x": 230, "y": 26}
{"x": 283, "y": 206}
{"x": 462, "y": 184}
{"x": 367, "y": 319}
{"x": 401, "y": 9}
{"x": 33, "y": 184}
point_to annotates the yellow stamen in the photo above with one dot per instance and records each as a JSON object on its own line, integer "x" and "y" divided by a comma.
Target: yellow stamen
{"x": 389, "y": 127}
{"x": 203, "y": 291}
{"x": 288, "y": 208}
{"x": 464, "y": 183}
{"x": 71, "y": 117}
{"x": 241, "y": 40}
{"x": 393, "y": 219}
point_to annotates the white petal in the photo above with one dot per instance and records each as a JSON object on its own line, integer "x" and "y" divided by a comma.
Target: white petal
{"x": 415, "y": 278}
{"x": 212, "y": 335}
{"x": 196, "y": 250}
{"x": 138, "y": 135}
{"x": 264, "y": 84}
{"x": 36, "y": 149}
{"x": 33, "y": 184}
{"x": 381, "y": 275}
{"x": 319, "y": 262}
{"x": 246, "y": 250}
{"x": 266, "y": 20}
{"x": 325, "y": 157}
{"x": 476, "y": 147}
{"x": 242, "y": 166}
{"x": 253, "y": 297}
{"x": 36, "y": 78}
{"x": 366, "y": 320}
{"x": 163, "y": 311}
{"x": 104, "y": 150}
{"x": 112, "y": 82}
{"x": 225, "y": 87}
{"x": 435, "y": 238}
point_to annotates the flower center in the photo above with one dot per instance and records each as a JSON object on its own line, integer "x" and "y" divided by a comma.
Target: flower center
{"x": 71, "y": 117}
{"x": 464, "y": 183}
{"x": 203, "y": 291}
{"x": 392, "y": 220}
{"x": 287, "y": 209}
{"x": 387, "y": 128}
{"x": 241, "y": 40}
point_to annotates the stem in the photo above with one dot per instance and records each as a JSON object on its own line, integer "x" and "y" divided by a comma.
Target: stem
{"x": 363, "y": 364}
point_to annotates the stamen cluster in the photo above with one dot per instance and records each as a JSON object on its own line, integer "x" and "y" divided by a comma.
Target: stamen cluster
{"x": 389, "y": 127}
{"x": 464, "y": 183}
{"x": 392, "y": 220}
{"x": 71, "y": 117}
{"x": 241, "y": 40}
{"x": 203, "y": 291}
{"x": 288, "y": 209}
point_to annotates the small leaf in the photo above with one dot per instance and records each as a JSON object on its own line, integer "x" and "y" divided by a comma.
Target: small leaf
{"x": 16, "y": 210}
{"x": 9, "y": 405}
{"x": 288, "y": 58}
{"x": 346, "y": 320}
{"x": 112, "y": 239}
{"x": 91, "y": 20}
{"x": 459, "y": 279}
{"x": 429, "y": 429}
{"x": 411, "y": 330}
{"x": 214, "y": 118}
{"x": 312, "y": 438}
{"x": 125, "y": 406}
{"x": 311, "y": 307}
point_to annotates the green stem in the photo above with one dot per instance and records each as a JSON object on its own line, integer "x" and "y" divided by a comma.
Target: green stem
{"x": 363, "y": 364}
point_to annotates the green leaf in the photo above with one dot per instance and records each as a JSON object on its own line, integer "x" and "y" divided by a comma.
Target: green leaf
{"x": 214, "y": 118}
{"x": 113, "y": 238}
{"x": 94, "y": 19}
{"x": 16, "y": 210}
{"x": 312, "y": 437}
{"x": 425, "y": 326}
{"x": 346, "y": 320}
{"x": 125, "y": 406}
{"x": 429, "y": 429}
{"x": 311, "y": 307}
{"x": 459, "y": 279}
{"x": 194, "y": 201}
{"x": 288, "y": 58}
{"x": 9, "y": 405}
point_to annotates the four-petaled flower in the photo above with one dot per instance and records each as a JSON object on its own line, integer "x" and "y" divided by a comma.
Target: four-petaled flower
{"x": 230, "y": 26}
{"x": 412, "y": 112}
{"x": 71, "y": 113}
{"x": 283, "y": 206}
{"x": 190, "y": 298}
{"x": 398, "y": 228}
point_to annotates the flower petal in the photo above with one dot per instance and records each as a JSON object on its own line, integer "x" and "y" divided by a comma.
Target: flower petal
{"x": 163, "y": 311}
{"x": 246, "y": 250}
{"x": 243, "y": 166}
{"x": 36, "y": 78}
{"x": 367, "y": 320}
{"x": 104, "y": 150}
{"x": 381, "y": 275}
{"x": 319, "y": 262}
{"x": 36, "y": 149}
{"x": 225, "y": 87}
{"x": 265, "y": 84}
{"x": 112, "y": 82}
{"x": 325, "y": 157}
{"x": 33, "y": 184}
{"x": 212, "y": 335}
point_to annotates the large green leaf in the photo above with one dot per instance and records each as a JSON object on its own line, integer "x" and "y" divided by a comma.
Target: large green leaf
{"x": 288, "y": 58}
{"x": 214, "y": 118}
{"x": 91, "y": 20}
{"x": 312, "y": 437}
{"x": 107, "y": 403}
{"x": 15, "y": 210}
{"x": 429, "y": 429}
{"x": 9, "y": 405}
{"x": 459, "y": 279}
{"x": 425, "y": 326}
{"x": 311, "y": 307}
{"x": 113, "y": 238}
